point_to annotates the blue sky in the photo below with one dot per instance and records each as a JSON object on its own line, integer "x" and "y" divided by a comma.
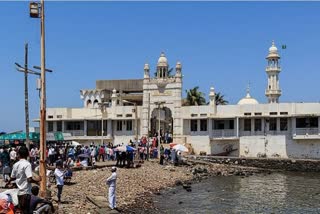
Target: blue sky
{"x": 220, "y": 44}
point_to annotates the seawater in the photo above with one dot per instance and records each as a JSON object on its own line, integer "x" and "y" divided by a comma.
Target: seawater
{"x": 260, "y": 193}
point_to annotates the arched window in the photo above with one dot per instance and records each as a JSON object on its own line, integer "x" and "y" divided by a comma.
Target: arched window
{"x": 89, "y": 103}
{"x": 95, "y": 103}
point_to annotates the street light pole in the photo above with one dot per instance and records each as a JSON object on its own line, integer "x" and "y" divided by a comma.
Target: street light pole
{"x": 26, "y": 100}
{"x": 43, "y": 183}
{"x": 159, "y": 136}
{"x": 159, "y": 142}
{"x": 34, "y": 13}
{"x": 136, "y": 122}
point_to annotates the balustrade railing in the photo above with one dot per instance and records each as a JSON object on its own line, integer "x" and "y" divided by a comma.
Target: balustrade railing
{"x": 219, "y": 133}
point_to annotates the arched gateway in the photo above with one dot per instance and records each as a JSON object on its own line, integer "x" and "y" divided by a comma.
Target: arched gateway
{"x": 162, "y": 117}
{"x": 164, "y": 88}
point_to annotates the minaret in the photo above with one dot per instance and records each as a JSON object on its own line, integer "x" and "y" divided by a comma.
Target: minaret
{"x": 162, "y": 66}
{"x": 273, "y": 69}
{"x": 178, "y": 72}
{"x": 146, "y": 71}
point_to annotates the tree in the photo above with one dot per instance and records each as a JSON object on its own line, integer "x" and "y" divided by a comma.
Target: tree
{"x": 195, "y": 97}
{"x": 220, "y": 99}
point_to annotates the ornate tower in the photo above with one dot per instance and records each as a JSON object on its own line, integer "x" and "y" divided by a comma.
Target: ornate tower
{"x": 162, "y": 67}
{"x": 273, "y": 69}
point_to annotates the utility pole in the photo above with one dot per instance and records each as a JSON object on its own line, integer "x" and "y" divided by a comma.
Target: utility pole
{"x": 35, "y": 7}
{"x": 26, "y": 99}
{"x": 43, "y": 184}
{"x": 25, "y": 70}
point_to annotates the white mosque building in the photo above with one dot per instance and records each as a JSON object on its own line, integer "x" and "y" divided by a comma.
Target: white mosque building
{"x": 119, "y": 110}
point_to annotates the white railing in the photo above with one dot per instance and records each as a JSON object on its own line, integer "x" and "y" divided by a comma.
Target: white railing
{"x": 307, "y": 131}
{"x": 245, "y": 133}
{"x": 223, "y": 133}
{"x": 75, "y": 132}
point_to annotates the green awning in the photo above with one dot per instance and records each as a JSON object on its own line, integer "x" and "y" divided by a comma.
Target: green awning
{"x": 58, "y": 136}
{"x": 20, "y": 136}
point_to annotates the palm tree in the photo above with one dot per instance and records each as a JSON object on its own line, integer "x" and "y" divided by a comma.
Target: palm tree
{"x": 219, "y": 98}
{"x": 194, "y": 97}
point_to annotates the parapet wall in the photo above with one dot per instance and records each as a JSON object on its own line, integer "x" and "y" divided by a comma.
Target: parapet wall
{"x": 302, "y": 165}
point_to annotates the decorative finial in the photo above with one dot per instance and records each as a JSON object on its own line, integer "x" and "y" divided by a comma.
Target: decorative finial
{"x": 146, "y": 67}
{"x": 273, "y": 43}
{"x": 248, "y": 90}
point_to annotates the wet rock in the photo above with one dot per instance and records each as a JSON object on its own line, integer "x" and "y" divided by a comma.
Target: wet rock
{"x": 178, "y": 183}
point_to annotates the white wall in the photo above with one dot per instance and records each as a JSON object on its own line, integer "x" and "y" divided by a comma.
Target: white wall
{"x": 219, "y": 146}
{"x": 280, "y": 146}
{"x": 199, "y": 143}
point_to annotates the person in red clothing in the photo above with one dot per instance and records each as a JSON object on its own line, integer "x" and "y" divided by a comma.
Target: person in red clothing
{"x": 101, "y": 153}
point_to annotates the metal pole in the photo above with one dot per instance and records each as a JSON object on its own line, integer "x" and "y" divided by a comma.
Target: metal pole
{"x": 102, "y": 124}
{"x": 43, "y": 187}
{"x": 136, "y": 122}
{"x": 148, "y": 137}
{"x": 26, "y": 99}
{"x": 159, "y": 142}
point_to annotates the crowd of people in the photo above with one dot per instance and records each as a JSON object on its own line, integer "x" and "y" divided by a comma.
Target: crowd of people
{"x": 17, "y": 164}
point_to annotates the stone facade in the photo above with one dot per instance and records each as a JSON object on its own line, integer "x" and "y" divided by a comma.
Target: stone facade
{"x": 247, "y": 129}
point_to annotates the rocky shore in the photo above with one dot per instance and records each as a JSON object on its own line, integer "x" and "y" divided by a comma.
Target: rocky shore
{"x": 137, "y": 186}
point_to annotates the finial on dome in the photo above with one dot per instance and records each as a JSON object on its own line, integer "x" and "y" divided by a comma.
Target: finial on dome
{"x": 273, "y": 43}
{"x": 178, "y": 65}
{"x": 146, "y": 67}
{"x": 248, "y": 90}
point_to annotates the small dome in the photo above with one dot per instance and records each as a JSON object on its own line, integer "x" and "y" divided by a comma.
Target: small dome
{"x": 162, "y": 61}
{"x": 273, "y": 48}
{"x": 146, "y": 66}
{"x": 178, "y": 65}
{"x": 248, "y": 100}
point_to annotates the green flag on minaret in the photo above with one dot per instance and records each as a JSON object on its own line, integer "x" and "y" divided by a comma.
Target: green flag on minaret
{"x": 284, "y": 46}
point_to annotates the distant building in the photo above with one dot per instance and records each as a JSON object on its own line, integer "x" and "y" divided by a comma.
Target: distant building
{"x": 248, "y": 129}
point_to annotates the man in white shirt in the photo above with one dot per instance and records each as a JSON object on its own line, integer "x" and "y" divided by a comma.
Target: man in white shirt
{"x": 22, "y": 174}
{"x": 111, "y": 182}
{"x": 59, "y": 174}
{"x": 51, "y": 154}
{"x": 13, "y": 155}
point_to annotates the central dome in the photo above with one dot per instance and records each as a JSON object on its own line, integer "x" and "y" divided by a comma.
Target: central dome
{"x": 248, "y": 100}
{"x": 162, "y": 61}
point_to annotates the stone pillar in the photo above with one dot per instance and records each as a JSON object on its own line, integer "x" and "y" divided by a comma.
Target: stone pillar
{"x": 85, "y": 128}
{"x": 293, "y": 119}
{"x": 63, "y": 130}
{"x": 278, "y": 125}
{"x": 318, "y": 125}
{"x": 109, "y": 128}
{"x": 54, "y": 126}
{"x": 252, "y": 126}
{"x": 144, "y": 114}
{"x": 236, "y": 127}
{"x": 114, "y": 97}
{"x": 210, "y": 127}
